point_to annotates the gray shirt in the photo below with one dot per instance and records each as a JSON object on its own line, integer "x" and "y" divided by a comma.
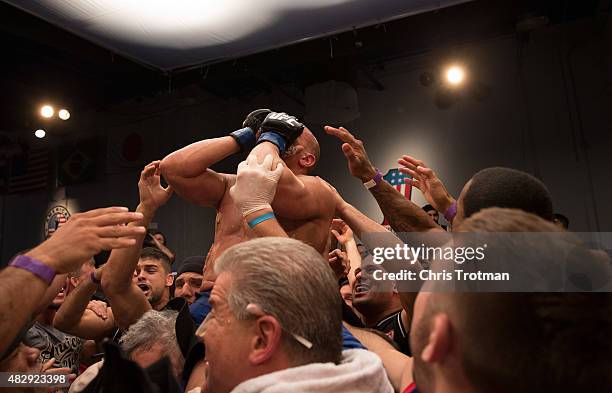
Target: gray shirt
{"x": 52, "y": 343}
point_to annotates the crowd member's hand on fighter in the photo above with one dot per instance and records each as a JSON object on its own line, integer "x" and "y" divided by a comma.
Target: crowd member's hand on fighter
{"x": 83, "y": 236}
{"x": 339, "y": 263}
{"x": 426, "y": 180}
{"x": 254, "y": 192}
{"x": 255, "y": 184}
{"x": 152, "y": 194}
{"x": 344, "y": 235}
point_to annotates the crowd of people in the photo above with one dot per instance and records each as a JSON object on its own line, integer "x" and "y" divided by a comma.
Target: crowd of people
{"x": 287, "y": 299}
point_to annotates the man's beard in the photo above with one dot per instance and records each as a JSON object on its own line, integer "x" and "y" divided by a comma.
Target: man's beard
{"x": 155, "y": 297}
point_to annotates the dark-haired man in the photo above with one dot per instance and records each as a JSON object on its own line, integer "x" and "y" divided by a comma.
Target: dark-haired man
{"x": 189, "y": 278}
{"x": 152, "y": 276}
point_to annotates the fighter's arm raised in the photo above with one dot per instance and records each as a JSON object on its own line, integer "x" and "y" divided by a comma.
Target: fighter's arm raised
{"x": 187, "y": 169}
{"x": 297, "y": 197}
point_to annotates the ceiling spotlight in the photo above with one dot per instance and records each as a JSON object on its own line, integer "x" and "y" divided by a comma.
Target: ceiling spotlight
{"x": 63, "y": 114}
{"x": 47, "y": 111}
{"x": 40, "y": 133}
{"x": 455, "y": 75}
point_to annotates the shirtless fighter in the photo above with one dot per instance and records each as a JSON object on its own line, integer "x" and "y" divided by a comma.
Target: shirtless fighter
{"x": 304, "y": 205}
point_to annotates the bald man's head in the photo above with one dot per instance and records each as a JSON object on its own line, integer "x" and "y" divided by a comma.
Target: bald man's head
{"x": 303, "y": 155}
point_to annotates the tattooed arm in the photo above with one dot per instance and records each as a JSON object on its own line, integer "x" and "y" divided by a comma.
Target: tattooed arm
{"x": 403, "y": 215}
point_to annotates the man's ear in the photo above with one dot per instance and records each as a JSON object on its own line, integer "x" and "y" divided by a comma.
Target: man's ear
{"x": 308, "y": 160}
{"x": 169, "y": 279}
{"x": 268, "y": 333}
{"x": 439, "y": 340}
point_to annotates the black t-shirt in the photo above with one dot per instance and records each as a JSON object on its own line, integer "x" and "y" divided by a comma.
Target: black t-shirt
{"x": 393, "y": 327}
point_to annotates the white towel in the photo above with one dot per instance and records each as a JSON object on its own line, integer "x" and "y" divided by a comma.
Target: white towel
{"x": 359, "y": 371}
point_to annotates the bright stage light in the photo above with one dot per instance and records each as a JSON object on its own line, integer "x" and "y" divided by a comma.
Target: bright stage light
{"x": 47, "y": 111}
{"x": 455, "y": 75}
{"x": 40, "y": 133}
{"x": 63, "y": 114}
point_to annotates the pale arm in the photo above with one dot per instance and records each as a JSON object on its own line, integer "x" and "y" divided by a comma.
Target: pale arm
{"x": 127, "y": 300}
{"x": 397, "y": 365}
{"x": 74, "y": 318}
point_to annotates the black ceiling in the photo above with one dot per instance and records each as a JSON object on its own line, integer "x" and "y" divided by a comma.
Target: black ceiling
{"x": 41, "y": 62}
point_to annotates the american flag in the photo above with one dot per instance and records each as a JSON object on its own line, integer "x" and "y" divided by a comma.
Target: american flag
{"x": 56, "y": 222}
{"x": 398, "y": 180}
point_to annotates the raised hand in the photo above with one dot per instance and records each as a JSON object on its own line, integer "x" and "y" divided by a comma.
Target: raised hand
{"x": 85, "y": 235}
{"x": 255, "y": 184}
{"x": 281, "y": 129}
{"x": 341, "y": 231}
{"x": 339, "y": 262}
{"x": 426, "y": 180}
{"x": 152, "y": 194}
{"x": 359, "y": 164}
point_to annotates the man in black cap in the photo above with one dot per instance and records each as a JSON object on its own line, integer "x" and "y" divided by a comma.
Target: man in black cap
{"x": 189, "y": 278}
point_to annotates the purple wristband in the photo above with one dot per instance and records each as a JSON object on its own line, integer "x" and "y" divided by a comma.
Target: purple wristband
{"x": 94, "y": 279}
{"x": 374, "y": 181}
{"x": 451, "y": 212}
{"x": 35, "y": 267}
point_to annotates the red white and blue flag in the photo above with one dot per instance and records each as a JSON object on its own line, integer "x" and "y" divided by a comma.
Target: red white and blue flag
{"x": 398, "y": 180}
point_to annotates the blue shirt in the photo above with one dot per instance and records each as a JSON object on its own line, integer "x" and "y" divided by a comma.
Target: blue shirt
{"x": 349, "y": 341}
{"x": 201, "y": 307}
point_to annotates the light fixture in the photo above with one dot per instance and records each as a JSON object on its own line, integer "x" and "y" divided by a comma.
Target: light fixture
{"x": 47, "y": 111}
{"x": 40, "y": 133}
{"x": 63, "y": 114}
{"x": 455, "y": 75}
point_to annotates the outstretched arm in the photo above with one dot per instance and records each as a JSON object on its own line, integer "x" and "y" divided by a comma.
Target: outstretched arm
{"x": 126, "y": 299}
{"x": 403, "y": 215}
{"x": 84, "y": 235}
{"x": 426, "y": 180}
{"x": 74, "y": 318}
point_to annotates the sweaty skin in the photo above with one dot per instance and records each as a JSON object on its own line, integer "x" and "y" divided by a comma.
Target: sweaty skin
{"x": 304, "y": 205}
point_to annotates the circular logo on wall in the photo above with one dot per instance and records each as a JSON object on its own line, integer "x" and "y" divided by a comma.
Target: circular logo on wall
{"x": 56, "y": 217}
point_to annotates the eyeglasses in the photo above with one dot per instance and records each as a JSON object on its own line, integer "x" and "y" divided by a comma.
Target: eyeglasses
{"x": 193, "y": 282}
{"x": 256, "y": 311}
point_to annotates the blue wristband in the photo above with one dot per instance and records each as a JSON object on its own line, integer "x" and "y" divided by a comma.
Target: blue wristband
{"x": 245, "y": 138}
{"x": 260, "y": 219}
{"x": 275, "y": 138}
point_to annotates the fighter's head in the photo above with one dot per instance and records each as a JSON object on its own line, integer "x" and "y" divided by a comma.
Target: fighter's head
{"x": 302, "y": 156}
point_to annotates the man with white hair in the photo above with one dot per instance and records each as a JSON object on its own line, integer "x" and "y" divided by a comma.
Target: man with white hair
{"x": 275, "y": 325}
